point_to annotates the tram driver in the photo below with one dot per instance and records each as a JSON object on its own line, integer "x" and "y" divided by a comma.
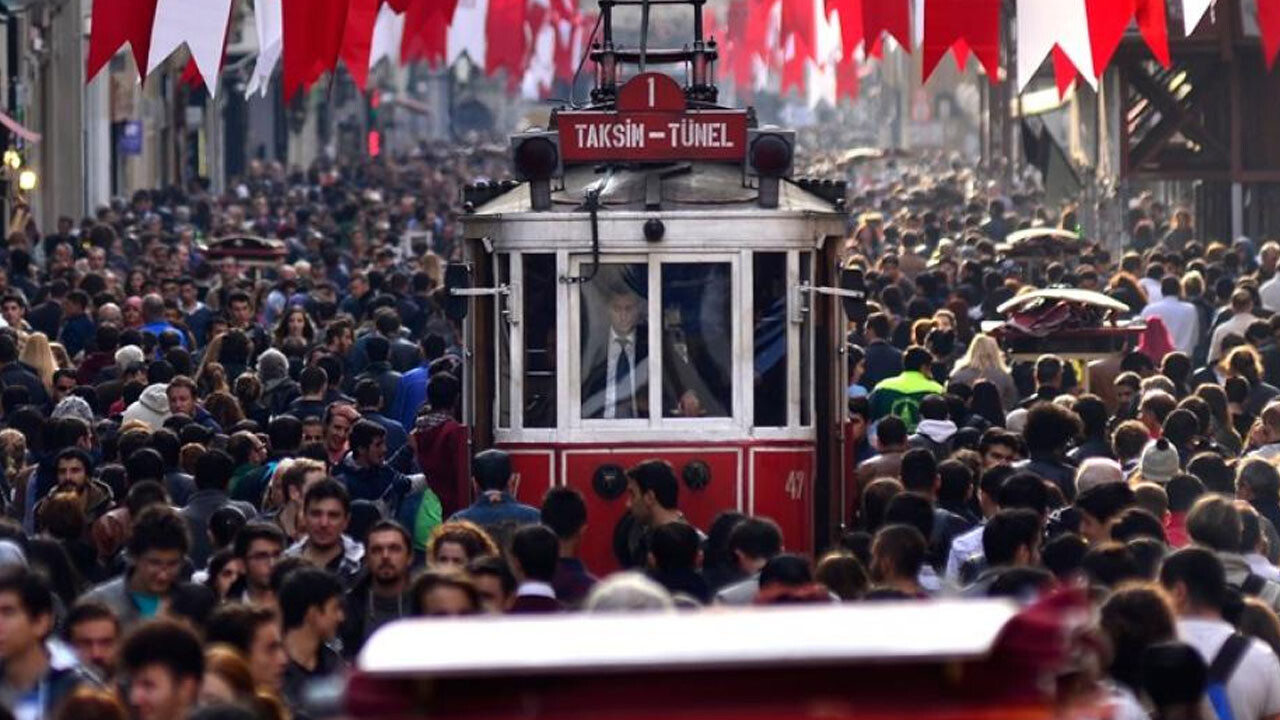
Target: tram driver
{"x": 615, "y": 366}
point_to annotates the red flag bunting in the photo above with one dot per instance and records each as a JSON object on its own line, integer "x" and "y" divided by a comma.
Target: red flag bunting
{"x": 313, "y": 31}
{"x": 1154, "y": 24}
{"x": 851, "y": 31}
{"x": 1064, "y": 71}
{"x": 793, "y": 73}
{"x": 1108, "y": 20}
{"x": 977, "y": 22}
{"x": 961, "y": 52}
{"x": 504, "y": 31}
{"x": 847, "y": 81}
{"x": 357, "y": 39}
{"x": 1269, "y": 29}
{"x": 426, "y": 26}
{"x": 887, "y": 16}
{"x": 400, "y": 6}
{"x": 798, "y": 23}
{"x": 116, "y": 22}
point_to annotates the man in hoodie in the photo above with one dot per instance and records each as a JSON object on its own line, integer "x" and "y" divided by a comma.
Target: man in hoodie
{"x": 441, "y": 446}
{"x": 326, "y": 508}
{"x": 364, "y": 472}
{"x": 936, "y": 430}
{"x": 151, "y": 407}
{"x": 36, "y": 676}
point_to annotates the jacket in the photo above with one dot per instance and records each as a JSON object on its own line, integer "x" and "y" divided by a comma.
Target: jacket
{"x": 388, "y": 380}
{"x": 396, "y": 436}
{"x": 200, "y": 507}
{"x": 443, "y": 452}
{"x": 380, "y": 482}
{"x": 355, "y": 624}
{"x": 410, "y": 394}
{"x": 883, "y": 362}
{"x": 901, "y": 396}
{"x": 277, "y": 395}
{"x": 346, "y": 566}
{"x": 63, "y": 677}
{"x": 115, "y": 595}
{"x": 935, "y": 436}
{"x": 499, "y": 514}
{"x": 16, "y": 374}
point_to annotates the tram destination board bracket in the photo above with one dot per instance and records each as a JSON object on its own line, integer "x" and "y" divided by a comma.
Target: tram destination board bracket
{"x": 652, "y": 122}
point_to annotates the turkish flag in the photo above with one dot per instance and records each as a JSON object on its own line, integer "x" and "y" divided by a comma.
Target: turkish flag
{"x": 1153, "y": 23}
{"x": 1269, "y": 29}
{"x": 505, "y": 42}
{"x": 357, "y": 39}
{"x": 1064, "y": 71}
{"x": 851, "y": 32}
{"x": 1108, "y": 20}
{"x": 313, "y": 32}
{"x": 116, "y": 22}
{"x": 793, "y": 72}
{"x": 847, "y": 81}
{"x": 887, "y": 16}
{"x": 798, "y": 22}
{"x": 426, "y": 25}
{"x": 976, "y": 22}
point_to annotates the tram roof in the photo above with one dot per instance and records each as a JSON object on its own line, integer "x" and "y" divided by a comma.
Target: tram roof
{"x": 738, "y": 638}
{"x": 705, "y": 186}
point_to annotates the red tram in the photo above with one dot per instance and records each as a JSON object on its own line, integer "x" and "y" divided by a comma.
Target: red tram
{"x": 656, "y": 284}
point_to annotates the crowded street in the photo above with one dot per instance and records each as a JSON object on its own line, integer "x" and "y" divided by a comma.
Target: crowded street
{"x": 694, "y": 359}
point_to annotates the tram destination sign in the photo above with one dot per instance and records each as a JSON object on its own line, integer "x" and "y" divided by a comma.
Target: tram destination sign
{"x": 652, "y": 123}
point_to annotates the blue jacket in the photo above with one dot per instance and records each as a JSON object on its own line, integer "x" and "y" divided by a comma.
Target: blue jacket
{"x": 396, "y": 436}
{"x": 373, "y": 483}
{"x": 410, "y": 394}
{"x": 499, "y": 514}
{"x": 76, "y": 334}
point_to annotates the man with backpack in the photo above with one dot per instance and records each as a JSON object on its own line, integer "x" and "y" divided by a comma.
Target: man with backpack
{"x": 1214, "y": 523}
{"x": 1242, "y": 671}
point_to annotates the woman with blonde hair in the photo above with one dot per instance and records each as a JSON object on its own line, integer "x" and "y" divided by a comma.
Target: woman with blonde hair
{"x": 37, "y": 355}
{"x": 984, "y": 360}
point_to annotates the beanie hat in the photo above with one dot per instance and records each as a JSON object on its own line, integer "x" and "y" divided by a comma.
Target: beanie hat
{"x": 74, "y": 406}
{"x": 1159, "y": 462}
{"x": 273, "y": 365}
{"x": 128, "y": 355}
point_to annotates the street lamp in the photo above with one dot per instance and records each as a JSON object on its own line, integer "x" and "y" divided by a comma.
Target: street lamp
{"x": 27, "y": 180}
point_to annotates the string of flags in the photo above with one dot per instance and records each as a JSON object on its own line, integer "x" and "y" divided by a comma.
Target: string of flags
{"x": 816, "y": 47}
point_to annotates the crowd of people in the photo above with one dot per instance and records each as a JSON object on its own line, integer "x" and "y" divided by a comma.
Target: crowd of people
{"x": 220, "y": 480}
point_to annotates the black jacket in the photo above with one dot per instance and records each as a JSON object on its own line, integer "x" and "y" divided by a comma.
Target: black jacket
{"x": 883, "y": 362}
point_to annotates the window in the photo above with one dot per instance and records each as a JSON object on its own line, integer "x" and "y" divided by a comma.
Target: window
{"x": 806, "y": 345}
{"x": 503, "y": 330}
{"x": 539, "y": 341}
{"x": 615, "y": 343}
{"x": 697, "y": 340}
{"x": 769, "y": 318}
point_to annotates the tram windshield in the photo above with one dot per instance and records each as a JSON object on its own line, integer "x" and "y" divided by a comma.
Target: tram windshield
{"x": 695, "y": 333}
{"x": 615, "y": 343}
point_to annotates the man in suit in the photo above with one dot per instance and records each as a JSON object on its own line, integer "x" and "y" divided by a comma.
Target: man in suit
{"x": 535, "y": 550}
{"x": 615, "y": 379}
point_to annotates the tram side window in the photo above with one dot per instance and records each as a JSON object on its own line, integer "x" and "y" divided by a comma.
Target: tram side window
{"x": 539, "y": 341}
{"x": 769, "y": 313}
{"x": 697, "y": 340}
{"x": 504, "y": 351}
{"x": 615, "y": 343}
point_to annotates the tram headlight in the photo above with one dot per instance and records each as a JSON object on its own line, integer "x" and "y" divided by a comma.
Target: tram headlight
{"x": 769, "y": 152}
{"x": 535, "y": 156}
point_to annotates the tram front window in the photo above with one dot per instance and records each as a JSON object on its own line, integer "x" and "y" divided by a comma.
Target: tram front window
{"x": 615, "y": 343}
{"x": 697, "y": 340}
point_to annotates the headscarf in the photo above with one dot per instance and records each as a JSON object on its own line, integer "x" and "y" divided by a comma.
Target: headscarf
{"x": 1155, "y": 342}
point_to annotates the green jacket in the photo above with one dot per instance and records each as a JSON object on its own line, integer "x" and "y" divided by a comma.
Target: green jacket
{"x": 901, "y": 396}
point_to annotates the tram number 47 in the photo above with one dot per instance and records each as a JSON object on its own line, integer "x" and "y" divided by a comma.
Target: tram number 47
{"x": 794, "y": 487}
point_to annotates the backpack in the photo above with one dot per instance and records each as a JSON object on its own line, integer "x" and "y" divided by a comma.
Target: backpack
{"x": 1220, "y": 671}
{"x": 1233, "y": 604}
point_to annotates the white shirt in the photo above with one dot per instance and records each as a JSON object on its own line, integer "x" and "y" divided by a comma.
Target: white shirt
{"x": 610, "y": 386}
{"x": 1270, "y": 292}
{"x": 1182, "y": 319}
{"x": 1258, "y": 565}
{"x": 1254, "y": 689}
{"x": 1237, "y": 325}
{"x": 963, "y": 547}
{"x": 533, "y": 588}
{"x": 1152, "y": 288}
